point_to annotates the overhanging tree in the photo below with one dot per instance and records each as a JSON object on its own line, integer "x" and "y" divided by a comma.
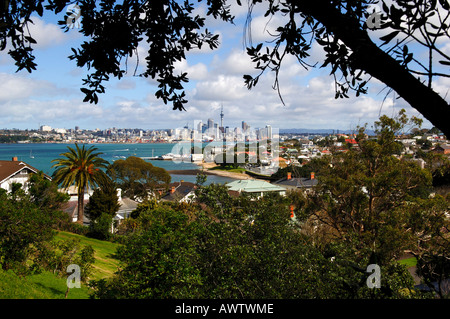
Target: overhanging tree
{"x": 170, "y": 29}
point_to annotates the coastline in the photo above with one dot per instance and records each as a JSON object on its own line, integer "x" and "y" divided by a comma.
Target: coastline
{"x": 206, "y": 169}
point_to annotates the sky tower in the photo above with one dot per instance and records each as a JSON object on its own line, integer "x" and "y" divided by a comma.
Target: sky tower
{"x": 221, "y": 116}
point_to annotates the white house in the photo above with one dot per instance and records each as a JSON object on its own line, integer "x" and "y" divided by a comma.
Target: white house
{"x": 15, "y": 171}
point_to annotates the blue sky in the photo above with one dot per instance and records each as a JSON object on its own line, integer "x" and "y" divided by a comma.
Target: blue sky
{"x": 51, "y": 96}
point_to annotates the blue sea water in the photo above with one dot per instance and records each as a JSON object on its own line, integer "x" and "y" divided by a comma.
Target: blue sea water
{"x": 40, "y": 156}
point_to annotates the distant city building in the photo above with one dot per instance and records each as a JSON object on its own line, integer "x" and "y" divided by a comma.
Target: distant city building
{"x": 210, "y": 124}
{"x": 45, "y": 128}
{"x": 269, "y": 131}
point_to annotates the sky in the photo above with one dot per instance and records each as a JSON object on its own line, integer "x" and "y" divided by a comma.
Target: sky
{"x": 51, "y": 94}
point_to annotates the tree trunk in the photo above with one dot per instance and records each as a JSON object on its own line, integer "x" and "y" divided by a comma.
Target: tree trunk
{"x": 367, "y": 56}
{"x": 80, "y": 205}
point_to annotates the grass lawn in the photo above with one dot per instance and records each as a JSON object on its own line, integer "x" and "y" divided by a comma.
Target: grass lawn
{"x": 47, "y": 285}
{"x": 229, "y": 169}
{"x": 409, "y": 262}
{"x": 105, "y": 263}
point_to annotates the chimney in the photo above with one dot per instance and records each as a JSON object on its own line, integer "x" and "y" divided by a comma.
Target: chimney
{"x": 312, "y": 175}
{"x": 14, "y": 159}
{"x": 172, "y": 190}
{"x": 289, "y": 175}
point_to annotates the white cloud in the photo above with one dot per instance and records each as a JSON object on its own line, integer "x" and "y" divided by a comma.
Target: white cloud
{"x": 13, "y": 87}
{"x": 57, "y": 111}
{"x": 48, "y": 34}
{"x": 198, "y": 71}
{"x": 221, "y": 88}
{"x": 236, "y": 63}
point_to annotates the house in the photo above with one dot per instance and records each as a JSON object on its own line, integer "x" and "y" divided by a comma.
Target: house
{"x": 442, "y": 149}
{"x": 71, "y": 208}
{"x": 350, "y": 141}
{"x": 305, "y": 184}
{"x": 15, "y": 171}
{"x": 254, "y": 186}
{"x": 127, "y": 205}
{"x": 72, "y": 191}
{"x": 282, "y": 162}
{"x": 180, "y": 192}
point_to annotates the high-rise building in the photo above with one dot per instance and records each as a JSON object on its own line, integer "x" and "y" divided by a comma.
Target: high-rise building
{"x": 269, "y": 131}
{"x": 199, "y": 126}
{"x": 210, "y": 123}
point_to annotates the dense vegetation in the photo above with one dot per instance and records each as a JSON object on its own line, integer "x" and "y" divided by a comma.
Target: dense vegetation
{"x": 369, "y": 208}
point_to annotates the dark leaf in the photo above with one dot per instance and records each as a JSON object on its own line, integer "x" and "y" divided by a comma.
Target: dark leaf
{"x": 387, "y": 38}
{"x": 445, "y": 4}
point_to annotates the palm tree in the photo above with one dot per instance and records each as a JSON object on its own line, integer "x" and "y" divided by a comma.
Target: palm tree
{"x": 80, "y": 167}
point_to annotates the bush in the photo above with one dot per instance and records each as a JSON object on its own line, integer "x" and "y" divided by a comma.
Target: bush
{"x": 100, "y": 227}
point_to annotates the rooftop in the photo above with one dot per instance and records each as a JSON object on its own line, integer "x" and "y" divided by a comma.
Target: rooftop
{"x": 10, "y": 168}
{"x": 300, "y": 182}
{"x": 253, "y": 185}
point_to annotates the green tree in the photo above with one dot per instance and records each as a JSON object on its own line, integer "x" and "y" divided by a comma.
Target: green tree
{"x": 44, "y": 192}
{"x": 158, "y": 261}
{"x": 425, "y": 144}
{"x": 101, "y": 208}
{"x": 375, "y": 204}
{"x": 22, "y": 226}
{"x": 136, "y": 177}
{"x": 82, "y": 168}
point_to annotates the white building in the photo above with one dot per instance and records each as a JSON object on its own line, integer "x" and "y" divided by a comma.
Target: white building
{"x": 46, "y": 128}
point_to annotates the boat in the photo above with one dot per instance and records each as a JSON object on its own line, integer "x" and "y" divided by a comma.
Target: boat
{"x": 168, "y": 156}
{"x": 31, "y": 155}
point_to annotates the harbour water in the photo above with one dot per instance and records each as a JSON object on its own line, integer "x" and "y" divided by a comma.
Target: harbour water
{"x": 40, "y": 156}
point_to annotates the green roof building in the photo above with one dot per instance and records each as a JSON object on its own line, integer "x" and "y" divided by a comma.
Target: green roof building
{"x": 255, "y": 186}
